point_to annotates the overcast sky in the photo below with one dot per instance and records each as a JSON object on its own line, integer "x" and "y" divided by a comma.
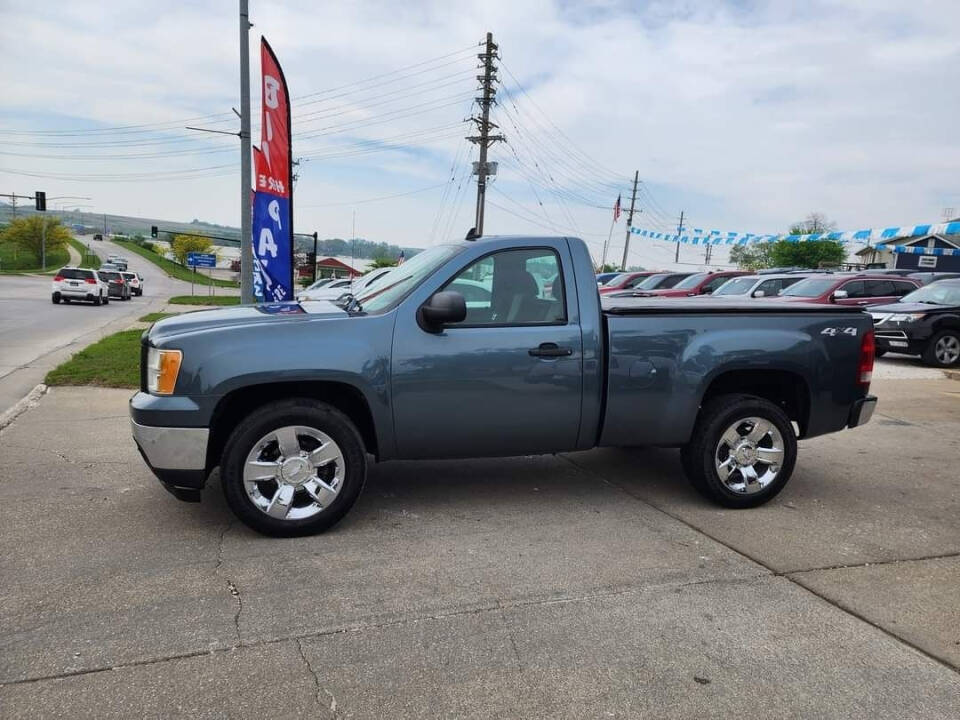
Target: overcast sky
{"x": 745, "y": 115}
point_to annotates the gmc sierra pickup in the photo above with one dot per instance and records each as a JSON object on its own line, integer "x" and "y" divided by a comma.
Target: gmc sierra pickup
{"x": 493, "y": 347}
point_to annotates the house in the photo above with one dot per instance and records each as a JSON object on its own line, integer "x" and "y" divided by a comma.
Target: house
{"x": 934, "y": 251}
{"x": 331, "y": 267}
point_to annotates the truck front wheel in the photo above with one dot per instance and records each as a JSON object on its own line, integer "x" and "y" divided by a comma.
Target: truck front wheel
{"x": 293, "y": 467}
{"x": 742, "y": 453}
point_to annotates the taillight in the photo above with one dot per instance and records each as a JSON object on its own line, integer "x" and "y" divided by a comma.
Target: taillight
{"x": 90, "y": 281}
{"x": 868, "y": 349}
{"x": 58, "y": 278}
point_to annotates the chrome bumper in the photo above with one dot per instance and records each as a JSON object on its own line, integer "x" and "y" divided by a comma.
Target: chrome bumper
{"x": 168, "y": 448}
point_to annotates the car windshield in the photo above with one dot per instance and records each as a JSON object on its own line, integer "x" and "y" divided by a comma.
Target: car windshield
{"x": 617, "y": 279}
{"x": 651, "y": 282}
{"x": 938, "y": 293}
{"x": 320, "y": 283}
{"x": 737, "y": 286}
{"x": 811, "y": 287}
{"x": 129, "y": 276}
{"x": 401, "y": 280}
{"x": 691, "y": 281}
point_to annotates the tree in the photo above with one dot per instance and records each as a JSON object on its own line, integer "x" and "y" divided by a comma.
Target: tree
{"x": 28, "y": 234}
{"x": 382, "y": 262}
{"x": 752, "y": 257}
{"x": 609, "y": 267}
{"x": 815, "y": 223}
{"x": 812, "y": 253}
{"x": 184, "y": 244}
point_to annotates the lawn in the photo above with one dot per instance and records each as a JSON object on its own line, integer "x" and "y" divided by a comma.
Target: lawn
{"x": 204, "y": 300}
{"x": 174, "y": 269}
{"x": 90, "y": 258}
{"x": 113, "y": 361}
{"x": 154, "y": 316}
{"x": 14, "y": 259}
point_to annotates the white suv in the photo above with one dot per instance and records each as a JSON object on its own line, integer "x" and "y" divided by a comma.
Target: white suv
{"x": 72, "y": 283}
{"x": 134, "y": 281}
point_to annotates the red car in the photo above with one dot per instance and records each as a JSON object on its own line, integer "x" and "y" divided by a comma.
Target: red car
{"x": 697, "y": 284}
{"x": 849, "y": 289}
{"x": 625, "y": 281}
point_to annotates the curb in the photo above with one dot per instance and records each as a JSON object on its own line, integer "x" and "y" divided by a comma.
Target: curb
{"x": 22, "y": 405}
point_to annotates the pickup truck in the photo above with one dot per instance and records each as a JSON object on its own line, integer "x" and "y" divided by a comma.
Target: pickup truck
{"x": 496, "y": 346}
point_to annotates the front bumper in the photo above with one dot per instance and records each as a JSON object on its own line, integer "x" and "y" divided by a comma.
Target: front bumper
{"x": 176, "y": 455}
{"x": 862, "y": 411}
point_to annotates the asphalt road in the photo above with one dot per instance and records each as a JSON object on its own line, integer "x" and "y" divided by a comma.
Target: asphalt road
{"x": 36, "y": 335}
{"x": 584, "y": 585}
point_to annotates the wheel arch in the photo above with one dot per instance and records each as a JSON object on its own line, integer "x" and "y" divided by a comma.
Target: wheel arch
{"x": 784, "y": 388}
{"x": 239, "y": 403}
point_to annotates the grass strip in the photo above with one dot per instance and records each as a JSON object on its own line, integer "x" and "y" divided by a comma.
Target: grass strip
{"x": 204, "y": 300}
{"x": 173, "y": 269}
{"x": 89, "y": 259}
{"x": 113, "y": 361}
{"x": 154, "y": 316}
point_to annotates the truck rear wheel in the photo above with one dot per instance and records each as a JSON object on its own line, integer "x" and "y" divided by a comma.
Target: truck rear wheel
{"x": 742, "y": 453}
{"x": 294, "y": 467}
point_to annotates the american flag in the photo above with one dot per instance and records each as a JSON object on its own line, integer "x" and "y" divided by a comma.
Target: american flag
{"x": 616, "y": 209}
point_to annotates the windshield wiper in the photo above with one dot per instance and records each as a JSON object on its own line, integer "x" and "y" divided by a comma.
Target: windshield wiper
{"x": 348, "y": 302}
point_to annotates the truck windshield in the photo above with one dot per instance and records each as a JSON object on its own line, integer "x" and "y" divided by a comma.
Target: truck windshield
{"x": 738, "y": 286}
{"x": 401, "y": 280}
{"x": 811, "y": 287}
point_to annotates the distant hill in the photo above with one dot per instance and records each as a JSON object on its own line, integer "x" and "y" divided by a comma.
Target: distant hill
{"x": 87, "y": 223}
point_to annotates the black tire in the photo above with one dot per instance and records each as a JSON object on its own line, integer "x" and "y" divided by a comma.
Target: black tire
{"x": 699, "y": 457}
{"x": 930, "y": 351}
{"x": 97, "y": 299}
{"x": 56, "y": 298}
{"x": 106, "y": 300}
{"x": 260, "y": 422}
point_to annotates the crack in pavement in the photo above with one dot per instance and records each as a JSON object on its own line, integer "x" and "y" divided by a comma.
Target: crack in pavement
{"x": 332, "y": 707}
{"x": 513, "y": 641}
{"x": 854, "y": 566}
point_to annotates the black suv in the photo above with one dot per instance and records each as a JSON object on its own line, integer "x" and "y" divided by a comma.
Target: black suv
{"x": 925, "y": 322}
{"x": 118, "y": 286}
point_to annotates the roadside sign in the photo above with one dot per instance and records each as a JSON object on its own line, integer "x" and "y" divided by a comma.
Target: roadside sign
{"x": 207, "y": 260}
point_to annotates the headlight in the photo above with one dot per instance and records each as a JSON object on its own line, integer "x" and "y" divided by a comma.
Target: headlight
{"x": 163, "y": 366}
{"x": 905, "y": 317}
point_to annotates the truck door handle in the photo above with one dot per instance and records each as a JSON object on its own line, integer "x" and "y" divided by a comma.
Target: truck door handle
{"x": 550, "y": 350}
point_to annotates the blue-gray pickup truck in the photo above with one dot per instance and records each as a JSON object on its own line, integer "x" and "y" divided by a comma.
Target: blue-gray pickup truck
{"x": 493, "y": 347}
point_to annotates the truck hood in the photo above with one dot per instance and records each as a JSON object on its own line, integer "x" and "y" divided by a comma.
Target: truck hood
{"x": 243, "y": 315}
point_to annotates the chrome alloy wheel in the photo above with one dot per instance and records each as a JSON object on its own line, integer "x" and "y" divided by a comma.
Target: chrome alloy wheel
{"x": 749, "y": 455}
{"x": 947, "y": 349}
{"x": 294, "y": 472}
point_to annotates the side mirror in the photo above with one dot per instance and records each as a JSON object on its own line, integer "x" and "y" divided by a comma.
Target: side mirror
{"x": 442, "y": 309}
{"x": 839, "y": 295}
{"x": 759, "y": 293}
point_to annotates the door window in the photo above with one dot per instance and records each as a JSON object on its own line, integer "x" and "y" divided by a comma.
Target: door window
{"x": 879, "y": 288}
{"x": 770, "y": 287}
{"x": 714, "y": 284}
{"x": 855, "y": 289}
{"x": 513, "y": 287}
{"x": 903, "y": 288}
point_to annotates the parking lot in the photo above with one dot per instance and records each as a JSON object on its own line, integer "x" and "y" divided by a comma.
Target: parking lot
{"x": 592, "y": 584}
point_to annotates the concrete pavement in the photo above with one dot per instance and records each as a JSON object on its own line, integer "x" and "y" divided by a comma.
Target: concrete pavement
{"x": 592, "y": 584}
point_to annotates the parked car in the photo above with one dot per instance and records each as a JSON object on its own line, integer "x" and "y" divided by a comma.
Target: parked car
{"x": 135, "y": 281}
{"x": 289, "y": 400}
{"x": 696, "y": 284}
{"x": 925, "y": 278}
{"x": 602, "y": 278}
{"x": 654, "y": 281}
{"x": 625, "y": 281}
{"x": 72, "y": 283}
{"x": 757, "y": 286}
{"x": 117, "y": 285}
{"x": 338, "y": 287}
{"x": 862, "y": 290}
{"x": 926, "y": 323}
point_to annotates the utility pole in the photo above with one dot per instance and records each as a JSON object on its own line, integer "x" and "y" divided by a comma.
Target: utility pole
{"x": 676, "y": 257}
{"x": 633, "y": 202}
{"x": 246, "y": 199}
{"x": 485, "y": 139}
{"x": 708, "y": 253}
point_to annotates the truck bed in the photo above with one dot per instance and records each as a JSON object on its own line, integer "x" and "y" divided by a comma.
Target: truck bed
{"x": 706, "y": 304}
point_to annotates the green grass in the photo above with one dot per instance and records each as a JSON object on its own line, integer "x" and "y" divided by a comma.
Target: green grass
{"x": 89, "y": 259}
{"x": 154, "y": 316}
{"x": 204, "y": 300}
{"x": 14, "y": 259}
{"x": 173, "y": 269}
{"x": 113, "y": 361}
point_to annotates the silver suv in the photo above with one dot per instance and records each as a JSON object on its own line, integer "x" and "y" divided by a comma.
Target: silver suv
{"x": 72, "y": 283}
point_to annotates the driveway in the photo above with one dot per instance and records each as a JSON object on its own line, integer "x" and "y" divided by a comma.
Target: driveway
{"x": 586, "y": 585}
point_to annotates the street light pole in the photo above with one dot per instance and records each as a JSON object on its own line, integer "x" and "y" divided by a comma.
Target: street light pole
{"x": 246, "y": 201}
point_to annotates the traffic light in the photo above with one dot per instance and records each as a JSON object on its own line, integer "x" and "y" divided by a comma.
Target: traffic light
{"x": 41, "y": 200}
{"x": 153, "y": 231}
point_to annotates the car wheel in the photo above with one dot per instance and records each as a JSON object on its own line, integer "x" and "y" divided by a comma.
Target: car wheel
{"x": 56, "y": 298}
{"x": 106, "y": 299}
{"x": 97, "y": 299}
{"x": 742, "y": 453}
{"x": 943, "y": 350}
{"x": 294, "y": 467}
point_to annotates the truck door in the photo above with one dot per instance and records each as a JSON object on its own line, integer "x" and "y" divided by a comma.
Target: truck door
{"x": 505, "y": 381}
